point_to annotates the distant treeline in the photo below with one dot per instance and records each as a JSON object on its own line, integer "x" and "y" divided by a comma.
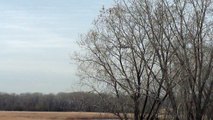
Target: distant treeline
{"x": 76, "y": 101}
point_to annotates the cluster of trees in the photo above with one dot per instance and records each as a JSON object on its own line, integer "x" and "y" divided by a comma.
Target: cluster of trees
{"x": 77, "y": 101}
{"x": 153, "y": 51}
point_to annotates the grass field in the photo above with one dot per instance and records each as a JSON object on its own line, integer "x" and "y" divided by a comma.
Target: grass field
{"x": 6, "y": 115}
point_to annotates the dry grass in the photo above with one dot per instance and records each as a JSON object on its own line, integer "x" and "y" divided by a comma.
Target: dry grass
{"x": 4, "y": 115}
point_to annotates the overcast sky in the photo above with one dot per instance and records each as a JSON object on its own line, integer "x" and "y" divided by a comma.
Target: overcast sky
{"x": 37, "y": 38}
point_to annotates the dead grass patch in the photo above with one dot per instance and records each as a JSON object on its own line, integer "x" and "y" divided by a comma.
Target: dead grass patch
{"x": 8, "y": 115}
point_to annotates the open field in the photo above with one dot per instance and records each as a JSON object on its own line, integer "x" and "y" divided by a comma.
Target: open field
{"x": 8, "y": 115}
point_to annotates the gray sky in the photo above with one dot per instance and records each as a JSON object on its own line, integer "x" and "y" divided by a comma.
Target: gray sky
{"x": 37, "y": 38}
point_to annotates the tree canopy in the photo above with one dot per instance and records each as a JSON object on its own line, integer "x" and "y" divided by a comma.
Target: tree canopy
{"x": 153, "y": 51}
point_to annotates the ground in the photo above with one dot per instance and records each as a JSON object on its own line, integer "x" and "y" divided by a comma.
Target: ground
{"x": 6, "y": 115}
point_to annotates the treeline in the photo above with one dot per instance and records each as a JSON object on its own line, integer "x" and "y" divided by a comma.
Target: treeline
{"x": 76, "y": 101}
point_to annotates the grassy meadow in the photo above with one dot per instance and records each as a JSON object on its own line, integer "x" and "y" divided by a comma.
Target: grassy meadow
{"x": 8, "y": 115}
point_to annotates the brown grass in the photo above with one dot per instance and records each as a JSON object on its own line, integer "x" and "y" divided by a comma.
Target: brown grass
{"x": 4, "y": 115}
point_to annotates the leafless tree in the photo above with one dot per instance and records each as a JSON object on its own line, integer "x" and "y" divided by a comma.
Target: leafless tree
{"x": 152, "y": 50}
{"x": 180, "y": 32}
{"x": 120, "y": 56}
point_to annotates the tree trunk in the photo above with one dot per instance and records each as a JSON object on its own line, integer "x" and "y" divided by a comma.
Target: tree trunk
{"x": 198, "y": 115}
{"x": 136, "y": 110}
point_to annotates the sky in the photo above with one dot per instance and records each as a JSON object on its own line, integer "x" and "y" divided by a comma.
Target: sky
{"x": 37, "y": 41}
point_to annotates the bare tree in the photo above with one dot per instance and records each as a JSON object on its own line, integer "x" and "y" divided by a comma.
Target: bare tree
{"x": 120, "y": 56}
{"x": 181, "y": 34}
{"x": 151, "y": 51}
